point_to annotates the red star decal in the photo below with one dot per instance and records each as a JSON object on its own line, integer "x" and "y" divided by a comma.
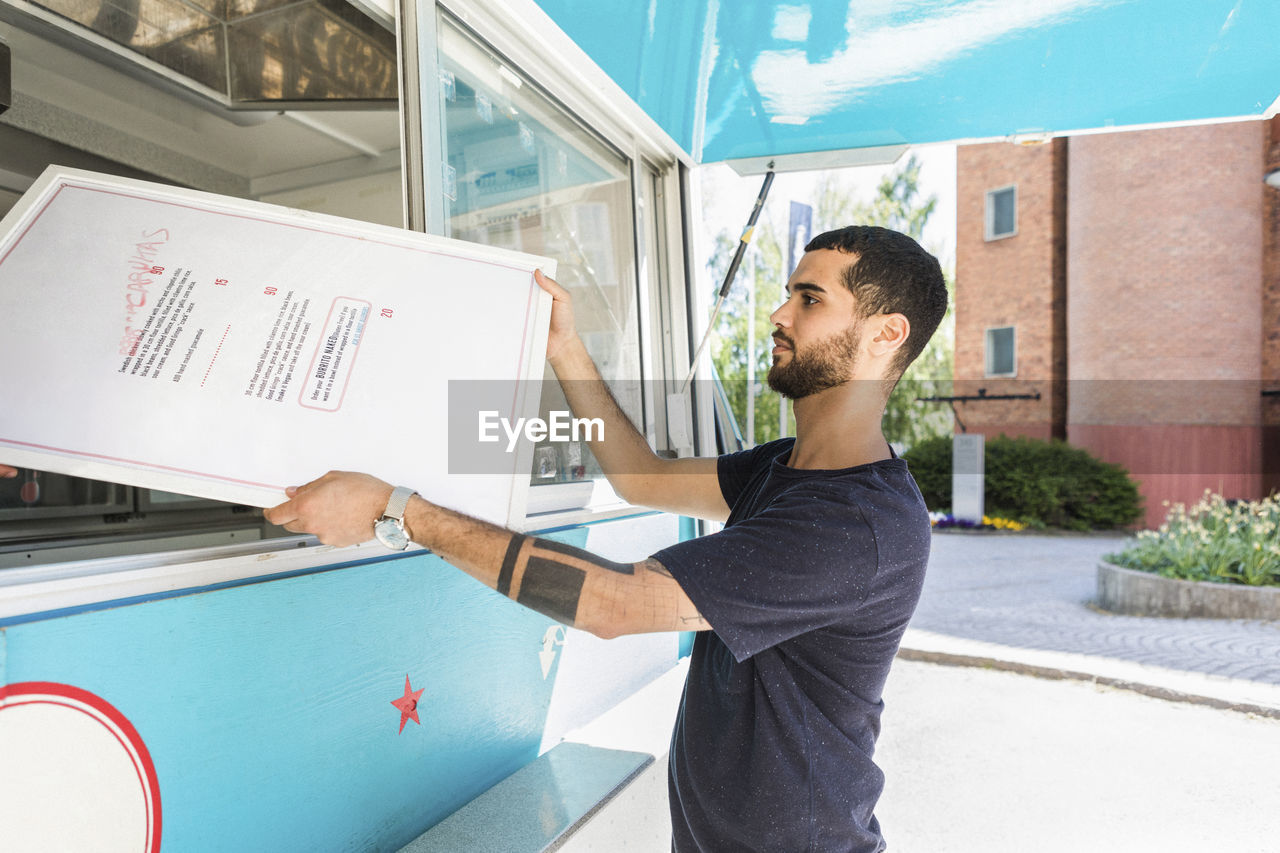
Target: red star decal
{"x": 408, "y": 704}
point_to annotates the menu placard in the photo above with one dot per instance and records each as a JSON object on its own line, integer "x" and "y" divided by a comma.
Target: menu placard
{"x": 226, "y": 349}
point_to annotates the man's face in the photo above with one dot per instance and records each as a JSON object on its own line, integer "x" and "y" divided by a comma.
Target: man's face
{"x": 817, "y": 333}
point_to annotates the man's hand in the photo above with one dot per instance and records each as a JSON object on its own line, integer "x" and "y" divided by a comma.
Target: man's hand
{"x": 340, "y": 507}
{"x": 684, "y": 486}
{"x": 563, "y": 329}
{"x": 6, "y": 471}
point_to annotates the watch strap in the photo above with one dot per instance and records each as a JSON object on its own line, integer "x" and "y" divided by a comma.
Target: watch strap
{"x": 398, "y": 502}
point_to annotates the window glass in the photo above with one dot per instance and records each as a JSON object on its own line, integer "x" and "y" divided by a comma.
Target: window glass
{"x": 1002, "y": 213}
{"x": 521, "y": 173}
{"x": 39, "y": 494}
{"x": 1000, "y": 352}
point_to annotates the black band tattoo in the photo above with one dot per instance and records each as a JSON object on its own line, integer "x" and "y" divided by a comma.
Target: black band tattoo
{"x": 586, "y": 556}
{"x": 548, "y": 576}
{"x": 552, "y": 588}
{"x": 509, "y": 564}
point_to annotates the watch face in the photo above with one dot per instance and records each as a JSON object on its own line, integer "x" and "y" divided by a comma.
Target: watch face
{"x": 390, "y": 532}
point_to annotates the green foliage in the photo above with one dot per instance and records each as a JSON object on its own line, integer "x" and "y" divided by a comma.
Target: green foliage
{"x": 734, "y": 339}
{"x": 896, "y": 204}
{"x": 1041, "y": 483}
{"x": 1215, "y": 540}
{"x": 930, "y": 463}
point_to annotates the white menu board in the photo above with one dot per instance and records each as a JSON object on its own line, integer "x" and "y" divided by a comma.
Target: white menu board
{"x": 226, "y": 349}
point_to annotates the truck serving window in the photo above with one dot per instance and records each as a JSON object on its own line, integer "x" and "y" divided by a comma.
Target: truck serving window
{"x": 521, "y": 172}
{"x": 340, "y": 161}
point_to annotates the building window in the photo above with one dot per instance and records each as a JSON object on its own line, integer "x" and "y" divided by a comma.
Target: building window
{"x": 1002, "y": 354}
{"x": 1002, "y": 213}
{"x": 522, "y": 173}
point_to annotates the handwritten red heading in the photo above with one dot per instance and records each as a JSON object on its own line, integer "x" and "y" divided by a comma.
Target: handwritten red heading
{"x": 143, "y": 269}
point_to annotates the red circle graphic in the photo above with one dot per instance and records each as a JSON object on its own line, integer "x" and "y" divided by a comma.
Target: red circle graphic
{"x": 49, "y": 692}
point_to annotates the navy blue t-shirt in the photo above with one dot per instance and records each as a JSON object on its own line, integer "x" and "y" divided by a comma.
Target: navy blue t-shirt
{"x": 808, "y": 590}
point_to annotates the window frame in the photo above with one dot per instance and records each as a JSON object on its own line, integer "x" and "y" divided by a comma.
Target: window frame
{"x": 533, "y": 47}
{"x": 988, "y": 356}
{"x": 472, "y": 58}
{"x": 989, "y": 213}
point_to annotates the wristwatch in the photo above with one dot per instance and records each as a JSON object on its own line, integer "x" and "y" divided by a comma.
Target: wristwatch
{"x": 390, "y": 528}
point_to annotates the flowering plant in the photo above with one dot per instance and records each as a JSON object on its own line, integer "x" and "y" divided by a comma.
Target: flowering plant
{"x": 1214, "y": 540}
{"x": 944, "y": 520}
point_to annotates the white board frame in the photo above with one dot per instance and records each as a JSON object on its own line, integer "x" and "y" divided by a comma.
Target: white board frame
{"x": 530, "y": 316}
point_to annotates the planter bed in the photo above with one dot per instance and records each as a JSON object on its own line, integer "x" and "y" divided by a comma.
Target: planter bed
{"x": 1137, "y": 593}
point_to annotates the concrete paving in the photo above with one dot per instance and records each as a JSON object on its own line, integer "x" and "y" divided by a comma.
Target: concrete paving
{"x": 1027, "y": 599}
{"x": 993, "y": 762}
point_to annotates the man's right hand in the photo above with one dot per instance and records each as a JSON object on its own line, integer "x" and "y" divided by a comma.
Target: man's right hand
{"x": 7, "y": 471}
{"x": 685, "y": 486}
{"x": 563, "y": 330}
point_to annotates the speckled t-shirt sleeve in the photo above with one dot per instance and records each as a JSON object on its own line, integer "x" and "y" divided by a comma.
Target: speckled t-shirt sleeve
{"x": 735, "y": 469}
{"x": 802, "y": 564}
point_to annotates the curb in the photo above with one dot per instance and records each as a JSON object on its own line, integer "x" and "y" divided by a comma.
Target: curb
{"x": 1056, "y": 674}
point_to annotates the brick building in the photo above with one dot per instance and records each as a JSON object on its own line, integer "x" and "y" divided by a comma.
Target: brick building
{"x": 1131, "y": 282}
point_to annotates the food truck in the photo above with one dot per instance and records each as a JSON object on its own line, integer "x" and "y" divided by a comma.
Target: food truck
{"x": 176, "y": 672}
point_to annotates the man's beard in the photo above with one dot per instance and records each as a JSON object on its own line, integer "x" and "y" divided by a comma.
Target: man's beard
{"x": 820, "y": 366}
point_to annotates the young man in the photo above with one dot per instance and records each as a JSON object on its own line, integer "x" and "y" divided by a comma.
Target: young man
{"x": 800, "y": 600}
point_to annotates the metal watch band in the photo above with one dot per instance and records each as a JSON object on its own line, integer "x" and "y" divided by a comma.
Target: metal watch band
{"x": 399, "y": 500}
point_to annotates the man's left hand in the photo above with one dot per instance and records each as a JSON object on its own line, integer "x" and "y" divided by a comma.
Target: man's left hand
{"x": 339, "y": 508}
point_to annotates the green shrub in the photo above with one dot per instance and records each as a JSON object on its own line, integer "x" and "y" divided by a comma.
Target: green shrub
{"x": 1040, "y": 483}
{"x": 1215, "y": 540}
{"x": 930, "y": 463}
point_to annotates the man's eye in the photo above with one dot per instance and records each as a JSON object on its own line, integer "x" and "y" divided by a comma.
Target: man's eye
{"x": 809, "y": 300}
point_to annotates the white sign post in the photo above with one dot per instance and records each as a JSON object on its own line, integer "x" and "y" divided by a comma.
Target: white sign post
{"x": 226, "y": 349}
{"x": 967, "y": 477}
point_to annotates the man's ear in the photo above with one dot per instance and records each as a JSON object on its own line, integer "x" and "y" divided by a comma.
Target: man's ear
{"x": 890, "y": 333}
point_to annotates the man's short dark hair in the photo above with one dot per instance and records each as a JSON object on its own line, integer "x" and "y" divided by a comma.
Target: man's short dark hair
{"x": 891, "y": 274}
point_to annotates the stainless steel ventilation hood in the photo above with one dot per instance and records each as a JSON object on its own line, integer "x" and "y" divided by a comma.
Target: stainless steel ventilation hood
{"x": 242, "y": 54}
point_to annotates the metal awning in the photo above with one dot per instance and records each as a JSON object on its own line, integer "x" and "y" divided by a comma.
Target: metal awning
{"x": 740, "y": 79}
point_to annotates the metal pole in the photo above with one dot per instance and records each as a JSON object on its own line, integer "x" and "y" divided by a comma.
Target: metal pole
{"x": 743, "y": 242}
{"x": 751, "y": 349}
{"x": 782, "y": 401}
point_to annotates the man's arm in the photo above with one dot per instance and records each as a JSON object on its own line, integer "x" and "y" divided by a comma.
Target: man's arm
{"x": 685, "y": 486}
{"x": 565, "y": 583}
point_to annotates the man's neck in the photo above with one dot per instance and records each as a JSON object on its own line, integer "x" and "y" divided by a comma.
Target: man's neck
{"x": 839, "y": 428}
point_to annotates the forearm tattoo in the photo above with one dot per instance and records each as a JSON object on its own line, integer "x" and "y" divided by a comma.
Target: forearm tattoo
{"x": 547, "y": 576}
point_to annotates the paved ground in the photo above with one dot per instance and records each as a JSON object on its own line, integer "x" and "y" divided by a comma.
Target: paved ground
{"x": 978, "y": 761}
{"x": 994, "y": 762}
{"x": 1036, "y": 592}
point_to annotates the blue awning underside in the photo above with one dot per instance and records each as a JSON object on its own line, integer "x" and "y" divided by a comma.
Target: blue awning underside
{"x": 730, "y": 79}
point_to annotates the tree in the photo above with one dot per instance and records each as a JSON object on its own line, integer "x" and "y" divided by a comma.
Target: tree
{"x": 761, "y": 271}
{"x": 896, "y": 204}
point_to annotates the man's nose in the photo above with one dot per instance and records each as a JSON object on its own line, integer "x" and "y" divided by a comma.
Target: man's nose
{"x": 781, "y": 315}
